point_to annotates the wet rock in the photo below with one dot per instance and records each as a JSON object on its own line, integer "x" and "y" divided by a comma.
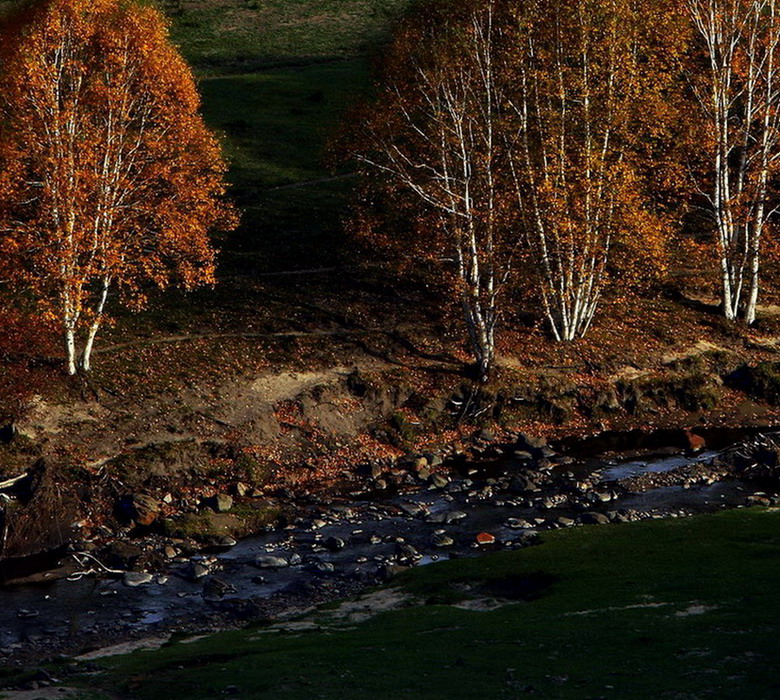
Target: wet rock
{"x": 621, "y": 516}
{"x": 517, "y": 523}
{"x": 267, "y": 561}
{"x": 758, "y": 499}
{"x": 435, "y": 460}
{"x": 420, "y": 463}
{"x": 521, "y": 483}
{"x": 317, "y": 566}
{"x": 136, "y": 578}
{"x": 523, "y": 456}
{"x": 454, "y": 516}
{"x": 407, "y": 552}
{"x": 121, "y": 555}
{"x": 335, "y": 544}
{"x": 242, "y": 489}
{"x": 439, "y": 481}
{"x": 564, "y": 521}
{"x": 413, "y": 509}
{"x": 139, "y": 508}
{"x": 194, "y": 571}
{"x": 26, "y": 614}
{"x": 215, "y": 589}
{"x": 441, "y": 539}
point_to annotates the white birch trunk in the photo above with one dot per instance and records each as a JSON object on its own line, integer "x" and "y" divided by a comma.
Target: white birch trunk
{"x": 95, "y": 325}
{"x": 70, "y": 350}
{"x": 450, "y": 169}
{"x": 740, "y": 103}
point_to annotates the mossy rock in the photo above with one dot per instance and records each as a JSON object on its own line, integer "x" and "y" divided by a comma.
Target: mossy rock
{"x": 161, "y": 459}
{"x": 760, "y": 382}
{"x": 241, "y": 521}
{"x": 721, "y": 362}
{"x": 690, "y": 392}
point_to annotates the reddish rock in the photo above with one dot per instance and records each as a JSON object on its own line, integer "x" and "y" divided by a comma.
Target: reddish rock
{"x": 485, "y": 538}
{"x": 696, "y": 443}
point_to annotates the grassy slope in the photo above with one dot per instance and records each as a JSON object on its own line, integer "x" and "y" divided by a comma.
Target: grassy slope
{"x": 615, "y": 623}
{"x": 275, "y": 124}
{"x": 235, "y": 35}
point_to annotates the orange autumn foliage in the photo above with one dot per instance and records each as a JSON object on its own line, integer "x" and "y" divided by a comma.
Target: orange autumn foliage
{"x": 591, "y": 89}
{"x": 109, "y": 178}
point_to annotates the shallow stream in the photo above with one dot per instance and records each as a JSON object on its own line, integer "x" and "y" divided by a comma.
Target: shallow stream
{"x": 355, "y": 540}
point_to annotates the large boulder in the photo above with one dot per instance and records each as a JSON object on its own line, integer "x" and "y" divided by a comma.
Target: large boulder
{"x": 139, "y": 508}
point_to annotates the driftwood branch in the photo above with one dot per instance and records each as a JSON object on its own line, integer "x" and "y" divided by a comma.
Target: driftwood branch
{"x": 97, "y": 568}
{"x": 12, "y": 482}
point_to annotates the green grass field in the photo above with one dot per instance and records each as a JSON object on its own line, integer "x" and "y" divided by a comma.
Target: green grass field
{"x": 658, "y": 609}
{"x": 275, "y": 127}
{"x": 239, "y": 35}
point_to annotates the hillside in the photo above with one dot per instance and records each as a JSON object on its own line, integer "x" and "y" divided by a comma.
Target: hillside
{"x": 237, "y": 35}
{"x": 303, "y": 363}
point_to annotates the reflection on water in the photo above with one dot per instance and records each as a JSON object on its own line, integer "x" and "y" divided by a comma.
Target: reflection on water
{"x": 626, "y": 470}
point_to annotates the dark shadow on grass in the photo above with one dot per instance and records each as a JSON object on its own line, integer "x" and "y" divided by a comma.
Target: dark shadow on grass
{"x": 518, "y": 587}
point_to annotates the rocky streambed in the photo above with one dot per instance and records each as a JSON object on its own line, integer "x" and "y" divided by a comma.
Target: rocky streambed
{"x": 334, "y": 547}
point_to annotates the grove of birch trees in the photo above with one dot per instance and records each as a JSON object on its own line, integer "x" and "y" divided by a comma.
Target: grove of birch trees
{"x": 555, "y": 147}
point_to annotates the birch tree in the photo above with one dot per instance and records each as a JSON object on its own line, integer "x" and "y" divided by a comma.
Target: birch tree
{"x": 111, "y": 179}
{"x": 737, "y": 86}
{"x": 576, "y": 99}
{"x": 435, "y": 131}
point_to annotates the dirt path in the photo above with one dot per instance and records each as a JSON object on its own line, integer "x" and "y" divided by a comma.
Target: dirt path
{"x": 185, "y": 338}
